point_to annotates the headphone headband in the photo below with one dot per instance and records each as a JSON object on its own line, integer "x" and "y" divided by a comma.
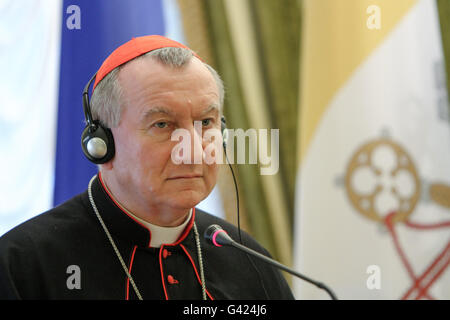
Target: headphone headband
{"x": 86, "y": 102}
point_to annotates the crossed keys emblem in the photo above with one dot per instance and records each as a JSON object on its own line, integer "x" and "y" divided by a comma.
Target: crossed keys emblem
{"x": 383, "y": 185}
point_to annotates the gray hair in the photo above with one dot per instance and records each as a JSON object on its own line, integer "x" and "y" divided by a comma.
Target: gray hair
{"x": 106, "y": 104}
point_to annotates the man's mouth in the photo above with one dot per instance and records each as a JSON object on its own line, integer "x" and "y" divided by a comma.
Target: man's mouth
{"x": 186, "y": 176}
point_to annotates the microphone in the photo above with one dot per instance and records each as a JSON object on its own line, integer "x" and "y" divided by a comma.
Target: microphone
{"x": 220, "y": 237}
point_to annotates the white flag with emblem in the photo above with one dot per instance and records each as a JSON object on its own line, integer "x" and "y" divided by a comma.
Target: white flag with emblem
{"x": 373, "y": 184}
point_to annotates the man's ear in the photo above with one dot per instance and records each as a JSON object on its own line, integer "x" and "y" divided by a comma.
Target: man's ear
{"x": 109, "y": 164}
{"x": 106, "y": 166}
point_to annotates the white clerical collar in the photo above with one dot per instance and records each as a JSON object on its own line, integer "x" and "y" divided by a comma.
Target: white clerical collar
{"x": 159, "y": 235}
{"x": 163, "y": 235}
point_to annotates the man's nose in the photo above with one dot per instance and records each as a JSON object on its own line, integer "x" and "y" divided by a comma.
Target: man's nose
{"x": 197, "y": 142}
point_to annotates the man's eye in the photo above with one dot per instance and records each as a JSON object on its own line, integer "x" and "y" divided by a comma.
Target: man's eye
{"x": 206, "y": 122}
{"x": 161, "y": 125}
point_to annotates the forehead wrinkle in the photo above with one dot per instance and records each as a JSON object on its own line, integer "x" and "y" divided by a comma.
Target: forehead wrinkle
{"x": 214, "y": 107}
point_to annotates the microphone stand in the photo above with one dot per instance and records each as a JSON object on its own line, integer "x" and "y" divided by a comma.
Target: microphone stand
{"x": 281, "y": 266}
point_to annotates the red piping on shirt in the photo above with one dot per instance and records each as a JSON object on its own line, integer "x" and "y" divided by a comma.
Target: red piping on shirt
{"x": 195, "y": 269}
{"x": 127, "y": 297}
{"x": 162, "y": 272}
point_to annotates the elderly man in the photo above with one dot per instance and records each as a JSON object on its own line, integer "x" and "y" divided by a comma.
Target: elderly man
{"x": 135, "y": 232}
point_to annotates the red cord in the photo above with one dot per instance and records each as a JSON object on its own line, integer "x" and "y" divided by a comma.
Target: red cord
{"x": 446, "y": 254}
{"x": 418, "y": 281}
{"x": 429, "y": 226}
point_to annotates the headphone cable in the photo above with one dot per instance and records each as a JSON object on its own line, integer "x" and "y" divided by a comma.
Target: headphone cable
{"x": 237, "y": 194}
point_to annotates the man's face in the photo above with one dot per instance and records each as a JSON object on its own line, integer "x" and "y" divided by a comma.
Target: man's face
{"x": 157, "y": 100}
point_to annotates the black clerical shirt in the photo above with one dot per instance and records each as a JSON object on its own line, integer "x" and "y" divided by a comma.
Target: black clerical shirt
{"x": 64, "y": 254}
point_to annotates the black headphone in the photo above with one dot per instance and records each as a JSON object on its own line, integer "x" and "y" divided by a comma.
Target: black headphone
{"x": 97, "y": 141}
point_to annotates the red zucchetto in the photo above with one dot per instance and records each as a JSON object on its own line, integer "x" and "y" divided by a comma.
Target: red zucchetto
{"x": 132, "y": 49}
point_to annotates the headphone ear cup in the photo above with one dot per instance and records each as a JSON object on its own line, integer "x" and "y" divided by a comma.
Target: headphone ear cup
{"x": 97, "y": 143}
